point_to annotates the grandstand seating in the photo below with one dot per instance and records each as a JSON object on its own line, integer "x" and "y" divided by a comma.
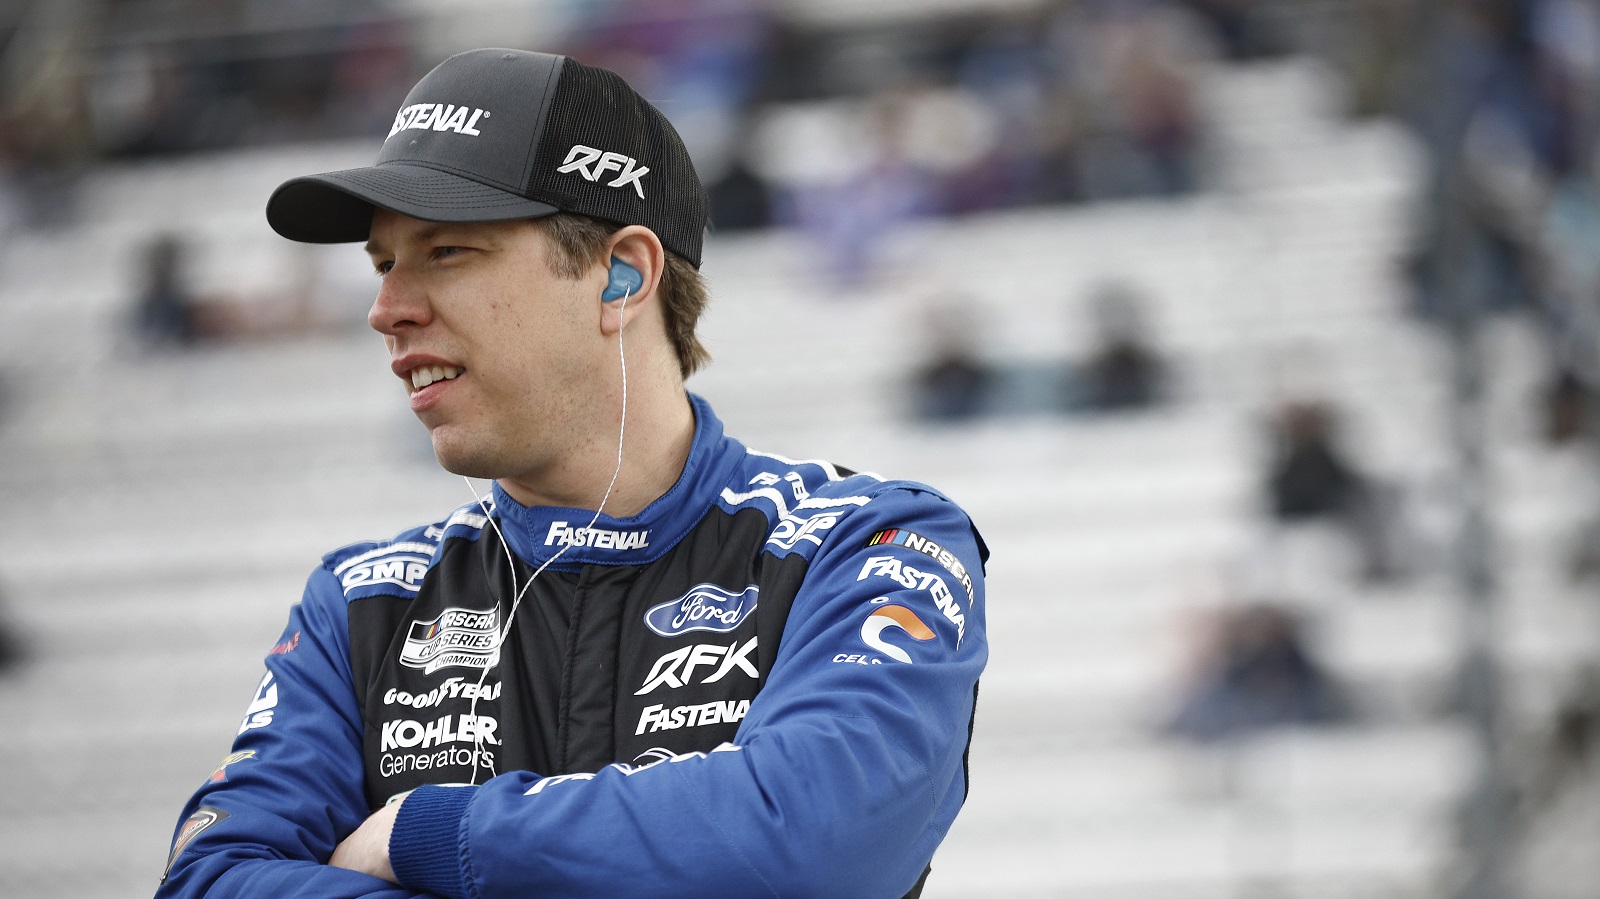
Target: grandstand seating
{"x": 163, "y": 511}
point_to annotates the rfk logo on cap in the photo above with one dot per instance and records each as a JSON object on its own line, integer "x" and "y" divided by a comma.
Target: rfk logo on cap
{"x": 592, "y": 163}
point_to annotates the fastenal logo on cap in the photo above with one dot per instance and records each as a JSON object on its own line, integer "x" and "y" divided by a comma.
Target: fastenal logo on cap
{"x": 437, "y": 117}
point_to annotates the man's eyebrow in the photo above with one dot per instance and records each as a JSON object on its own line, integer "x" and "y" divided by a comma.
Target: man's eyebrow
{"x": 421, "y": 235}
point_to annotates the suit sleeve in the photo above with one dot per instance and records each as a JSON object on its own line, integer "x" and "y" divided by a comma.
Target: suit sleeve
{"x": 842, "y": 780}
{"x": 265, "y": 823}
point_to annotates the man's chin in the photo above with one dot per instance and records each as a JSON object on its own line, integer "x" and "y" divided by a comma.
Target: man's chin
{"x": 458, "y": 459}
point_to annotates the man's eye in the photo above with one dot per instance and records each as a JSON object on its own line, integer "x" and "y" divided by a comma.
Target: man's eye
{"x": 447, "y": 252}
{"x": 382, "y": 268}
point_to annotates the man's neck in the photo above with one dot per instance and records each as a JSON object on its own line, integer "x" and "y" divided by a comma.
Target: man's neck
{"x": 659, "y": 434}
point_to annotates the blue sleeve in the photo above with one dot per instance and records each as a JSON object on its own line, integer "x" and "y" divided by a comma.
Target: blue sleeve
{"x": 843, "y": 778}
{"x": 266, "y": 821}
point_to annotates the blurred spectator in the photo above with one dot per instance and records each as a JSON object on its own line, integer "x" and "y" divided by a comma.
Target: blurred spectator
{"x": 169, "y": 314}
{"x": 740, "y": 199}
{"x": 1255, "y": 673}
{"x": 1559, "y": 817}
{"x": 954, "y": 383}
{"x": 851, "y": 217}
{"x": 1124, "y": 371}
{"x": 1566, "y": 408}
{"x": 1312, "y": 479}
{"x": 13, "y": 652}
{"x": 166, "y": 313}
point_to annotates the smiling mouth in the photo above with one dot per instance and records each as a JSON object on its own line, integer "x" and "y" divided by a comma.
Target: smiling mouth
{"x": 423, "y": 375}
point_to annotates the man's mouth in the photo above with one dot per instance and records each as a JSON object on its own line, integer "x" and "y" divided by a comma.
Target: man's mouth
{"x": 423, "y": 375}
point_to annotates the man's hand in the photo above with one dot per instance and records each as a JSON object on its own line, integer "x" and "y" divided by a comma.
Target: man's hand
{"x": 367, "y": 850}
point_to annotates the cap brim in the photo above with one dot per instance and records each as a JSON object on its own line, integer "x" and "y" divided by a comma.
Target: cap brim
{"x": 336, "y": 207}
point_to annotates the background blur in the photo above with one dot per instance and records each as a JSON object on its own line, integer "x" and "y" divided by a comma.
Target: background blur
{"x": 1258, "y": 336}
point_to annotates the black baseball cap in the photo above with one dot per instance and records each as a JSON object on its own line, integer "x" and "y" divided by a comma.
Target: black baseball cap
{"x": 493, "y": 135}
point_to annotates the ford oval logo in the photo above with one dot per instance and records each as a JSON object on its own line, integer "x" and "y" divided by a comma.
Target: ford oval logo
{"x": 705, "y": 607}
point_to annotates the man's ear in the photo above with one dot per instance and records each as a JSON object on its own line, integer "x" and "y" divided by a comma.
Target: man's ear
{"x": 635, "y": 260}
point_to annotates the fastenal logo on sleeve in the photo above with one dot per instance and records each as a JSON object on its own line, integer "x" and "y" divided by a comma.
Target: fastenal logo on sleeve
{"x": 467, "y": 638}
{"x": 592, "y": 164}
{"x": 438, "y": 117}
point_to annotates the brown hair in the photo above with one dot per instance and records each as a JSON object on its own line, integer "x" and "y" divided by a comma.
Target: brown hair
{"x": 580, "y": 241}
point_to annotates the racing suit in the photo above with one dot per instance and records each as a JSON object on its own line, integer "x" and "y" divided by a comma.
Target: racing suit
{"x": 761, "y": 685}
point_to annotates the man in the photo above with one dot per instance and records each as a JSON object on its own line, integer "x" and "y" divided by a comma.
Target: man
{"x": 653, "y": 662}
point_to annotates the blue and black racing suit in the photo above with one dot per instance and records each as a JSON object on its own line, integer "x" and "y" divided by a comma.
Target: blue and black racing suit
{"x": 761, "y": 685}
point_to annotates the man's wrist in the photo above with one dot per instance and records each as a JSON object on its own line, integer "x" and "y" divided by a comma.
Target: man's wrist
{"x": 424, "y": 847}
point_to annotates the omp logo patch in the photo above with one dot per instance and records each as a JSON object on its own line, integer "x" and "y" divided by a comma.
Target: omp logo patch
{"x": 403, "y": 571}
{"x": 900, "y": 618}
{"x": 706, "y": 607}
{"x": 438, "y": 117}
{"x": 792, "y": 529}
{"x": 468, "y": 638}
{"x": 193, "y": 826}
{"x": 592, "y": 164}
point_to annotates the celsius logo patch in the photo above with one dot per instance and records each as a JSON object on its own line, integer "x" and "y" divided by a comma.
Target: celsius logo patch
{"x": 468, "y": 638}
{"x": 705, "y": 607}
{"x": 193, "y": 826}
{"x": 900, "y": 618}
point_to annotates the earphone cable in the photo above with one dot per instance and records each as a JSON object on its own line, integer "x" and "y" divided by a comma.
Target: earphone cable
{"x": 516, "y": 602}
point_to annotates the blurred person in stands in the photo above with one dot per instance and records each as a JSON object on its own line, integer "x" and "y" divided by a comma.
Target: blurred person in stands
{"x": 1123, "y": 371}
{"x": 166, "y": 311}
{"x": 1311, "y": 478}
{"x": 1255, "y": 672}
{"x": 12, "y": 650}
{"x": 1567, "y": 404}
{"x": 1558, "y": 814}
{"x": 650, "y": 662}
{"x": 954, "y": 383}
{"x": 851, "y": 218}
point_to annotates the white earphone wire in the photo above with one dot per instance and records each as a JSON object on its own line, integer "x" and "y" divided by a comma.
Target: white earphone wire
{"x": 516, "y": 602}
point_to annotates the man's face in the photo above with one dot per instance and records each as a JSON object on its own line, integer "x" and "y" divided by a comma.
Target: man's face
{"x": 502, "y": 358}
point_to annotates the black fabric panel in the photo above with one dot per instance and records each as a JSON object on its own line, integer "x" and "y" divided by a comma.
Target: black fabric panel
{"x": 674, "y": 202}
{"x": 781, "y": 580}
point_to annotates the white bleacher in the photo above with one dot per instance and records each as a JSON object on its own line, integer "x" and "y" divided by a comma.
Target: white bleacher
{"x": 164, "y": 511}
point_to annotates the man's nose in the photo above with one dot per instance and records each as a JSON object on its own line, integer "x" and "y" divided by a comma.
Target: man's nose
{"x": 401, "y": 304}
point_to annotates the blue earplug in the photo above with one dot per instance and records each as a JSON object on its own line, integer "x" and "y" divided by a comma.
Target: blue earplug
{"x": 624, "y": 280}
